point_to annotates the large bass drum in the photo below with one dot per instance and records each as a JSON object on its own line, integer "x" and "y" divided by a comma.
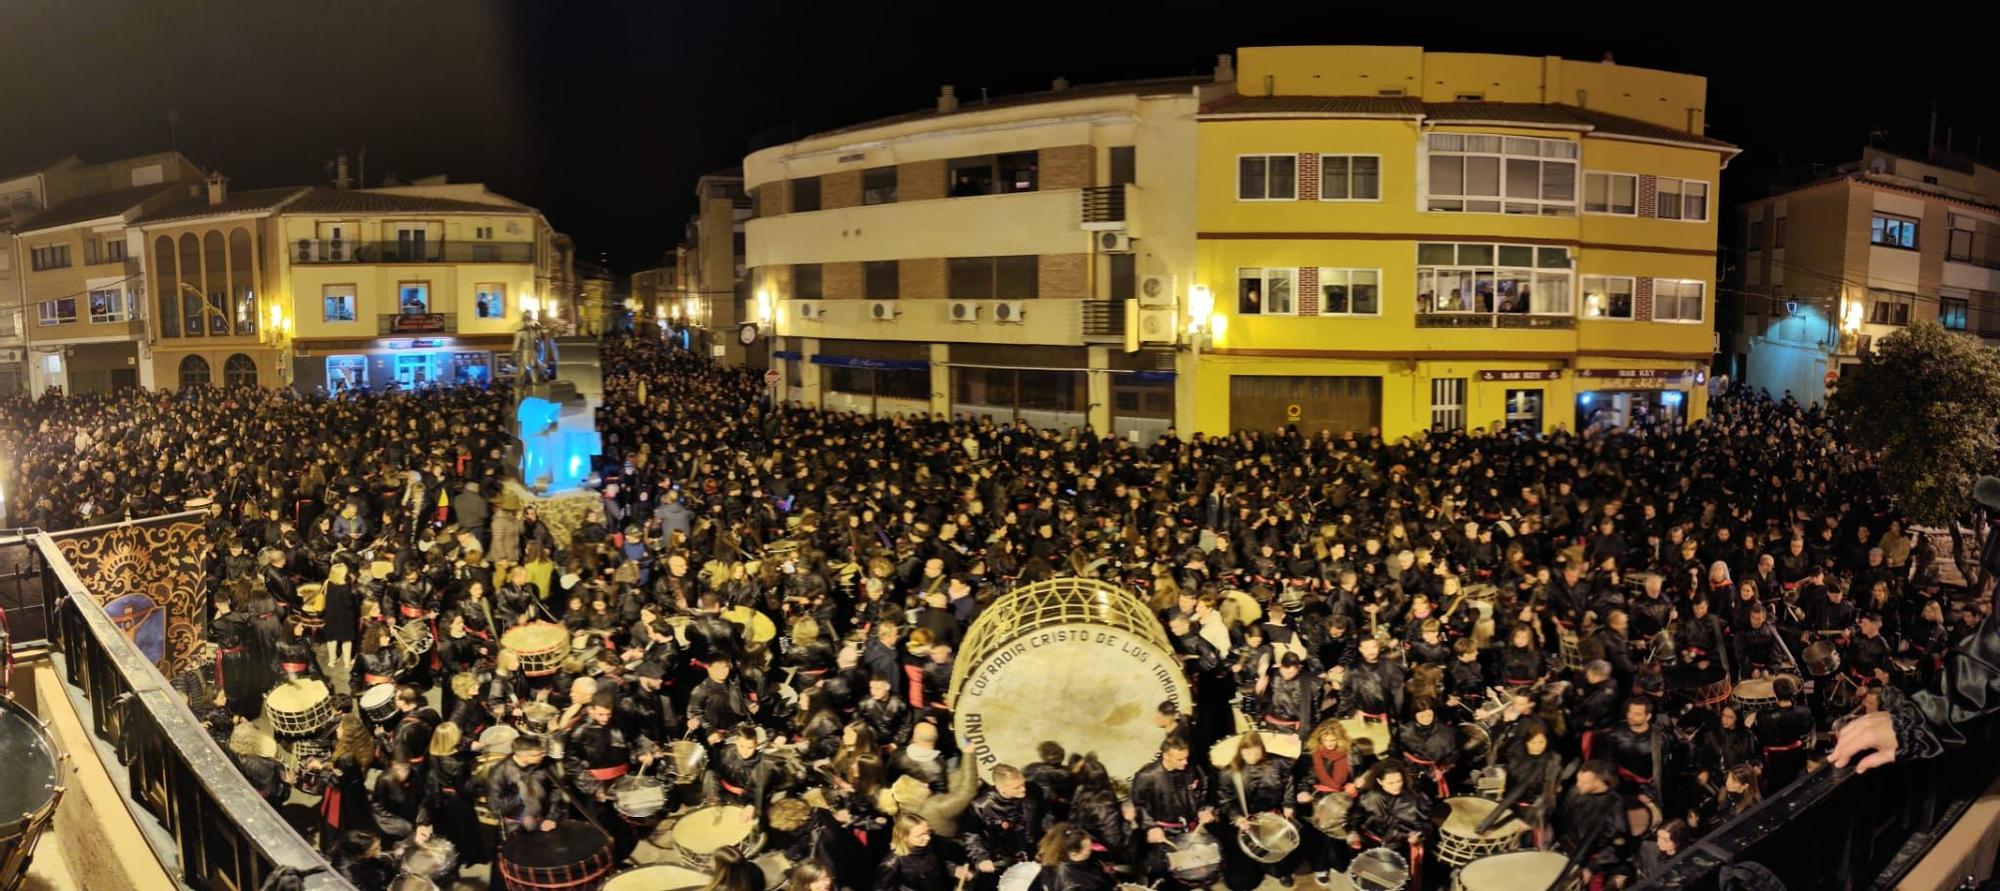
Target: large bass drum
{"x": 33, "y": 786}
{"x": 1073, "y": 659}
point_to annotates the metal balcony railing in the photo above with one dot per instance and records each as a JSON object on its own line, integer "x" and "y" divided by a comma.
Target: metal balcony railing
{"x": 1104, "y": 318}
{"x": 416, "y": 323}
{"x": 1834, "y": 829}
{"x": 334, "y": 250}
{"x": 224, "y": 835}
{"x": 1104, "y": 204}
{"x": 1493, "y": 320}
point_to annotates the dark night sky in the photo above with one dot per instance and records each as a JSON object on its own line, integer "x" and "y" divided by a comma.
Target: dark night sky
{"x": 603, "y": 114}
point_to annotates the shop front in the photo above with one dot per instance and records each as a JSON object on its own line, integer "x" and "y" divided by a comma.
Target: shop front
{"x": 1609, "y": 398}
{"x": 400, "y": 364}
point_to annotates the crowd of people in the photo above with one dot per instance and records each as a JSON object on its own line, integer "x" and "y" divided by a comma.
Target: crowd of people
{"x": 1615, "y": 641}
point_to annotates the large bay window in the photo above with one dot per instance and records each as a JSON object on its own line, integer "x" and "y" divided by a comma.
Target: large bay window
{"x": 1506, "y": 279}
{"x": 1479, "y": 173}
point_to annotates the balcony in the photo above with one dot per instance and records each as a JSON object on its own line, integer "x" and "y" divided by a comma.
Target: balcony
{"x": 1517, "y": 321}
{"x": 416, "y": 323}
{"x": 1104, "y": 318}
{"x": 317, "y": 251}
{"x": 1103, "y": 207}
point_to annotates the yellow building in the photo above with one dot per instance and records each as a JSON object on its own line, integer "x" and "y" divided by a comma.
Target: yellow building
{"x": 981, "y": 259}
{"x": 1407, "y": 240}
{"x": 211, "y": 270}
{"x": 407, "y": 285}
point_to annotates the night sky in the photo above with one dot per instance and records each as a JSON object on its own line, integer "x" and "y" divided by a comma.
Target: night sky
{"x": 603, "y": 114}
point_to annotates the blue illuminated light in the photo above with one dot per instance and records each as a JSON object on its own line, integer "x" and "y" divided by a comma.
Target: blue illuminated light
{"x": 1587, "y": 397}
{"x": 1670, "y": 398}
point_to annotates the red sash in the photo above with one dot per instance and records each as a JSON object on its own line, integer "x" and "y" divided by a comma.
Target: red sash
{"x": 610, "y": 773}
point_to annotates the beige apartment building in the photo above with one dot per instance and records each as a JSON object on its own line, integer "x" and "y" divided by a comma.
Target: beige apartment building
{"x": 717, "y": 316}
{"x": 1827, "y": 267}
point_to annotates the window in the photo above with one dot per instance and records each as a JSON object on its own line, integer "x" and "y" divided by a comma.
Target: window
{"x": 1681, "y": 199}
{"x": 345, "y": 373}
{"x": 56, "y": 312}
{"x": 52, "y": 256}
{"x": 1952, "y": 312}
{"x": 1447, "y": 404}
{"x": 239, "y": 371}
{"x": 194, "y": 372}
{"x": 489, "y": 300}
{"x": 1607, "y": 296}
{"x": 1524, "y": 410}
{"x": 1960, "y": 247}
{"x": 110, "y": 305}
{"x": 1350, "y": 292}
{"x": 1891, "y": 308}
{"x": 1261, "y": 291}
{"x": 1350, "y": 178}
{"x": 881, "y": 280}
{"x": 1677, "y": 300}
{"x": 1487, "y": 278}
{"x": 806, "y": 282}
{"x": 1892, "y": 231}
{"x": 1778, "y": 233}
{"x": 1267, "y": 177}
{"x": 482, "y": 232}
{"x": 878, "y": 185}
{"x": 1613, "y": 193}
{"x": 1756, "y": 235}
{"x": 336, "y": 303}
{"x": 414, "y": 297}
{"x": 805, "y": 194}
{"x": 992, "y": 278}
{"x": 992, "y": 174}
{"x": 1477, "y": 173}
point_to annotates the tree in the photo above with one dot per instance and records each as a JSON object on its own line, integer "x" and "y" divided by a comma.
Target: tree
{"x": 1927, "y": 402}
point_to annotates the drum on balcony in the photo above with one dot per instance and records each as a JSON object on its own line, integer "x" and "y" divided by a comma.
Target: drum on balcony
{"x": 30, "y": 790}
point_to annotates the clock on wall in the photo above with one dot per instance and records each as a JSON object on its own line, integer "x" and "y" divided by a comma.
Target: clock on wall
{"x": 747, "y": 334}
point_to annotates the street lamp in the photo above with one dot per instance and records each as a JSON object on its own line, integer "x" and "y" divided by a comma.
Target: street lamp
{"x": 764, "y": 307}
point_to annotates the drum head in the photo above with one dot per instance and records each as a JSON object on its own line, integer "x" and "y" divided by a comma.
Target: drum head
{"x": 710, "y": 829}
{"x": 32, "y": 779}
{"x": 657, "y": 878}
{"x": 1756, "y": 688}
{"x": 1379, "y": 869}
{"x": 1020, "y": 877}
{"x": 296, "y": 695}
{"x": 1466, "y": 814}
{"x": 1072, "y": 659}
{"x": 1518, "y": 871}
{"x": 571, "y": 842}
{"x": 377, "y": 696}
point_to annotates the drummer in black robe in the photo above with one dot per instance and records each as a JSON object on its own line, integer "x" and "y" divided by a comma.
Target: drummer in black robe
{"x": 398, "y": 801}
{"x": 1391, "y": 811}
{"x": 448, "y": 794}
{"x": 718, "y": 703}
{"x": 522, "y": 794}
{"x": 742, "y": 775}
{"x": 1255, "y": 783}
{"x": 237, "y": 674}
{"x": 598, "y": 755}
{"x": 1007, "y": 821}
{"x": 1171, "y": 797}
{"x": 1590, "y": 824}
{"x": 411, "y": 739}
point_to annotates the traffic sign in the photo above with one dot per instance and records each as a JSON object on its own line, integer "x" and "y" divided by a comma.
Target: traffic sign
{"x": 772, "y": 376}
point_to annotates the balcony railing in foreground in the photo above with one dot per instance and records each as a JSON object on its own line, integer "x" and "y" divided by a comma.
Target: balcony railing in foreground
{"x": 1839, "y": 830}
{"x": 225, "y": 837}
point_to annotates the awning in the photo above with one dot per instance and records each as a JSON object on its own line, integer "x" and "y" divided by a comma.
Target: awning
{"x": 877, "y": 364}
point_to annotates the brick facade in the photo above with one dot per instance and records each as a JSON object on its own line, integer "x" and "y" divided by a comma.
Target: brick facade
{"x": 1649, "y": 195}
{"x": 1066, "y": 167}
{"x": 920, "y": 181}
{"x": 1642, "y": 299}
{"x": 840, "y": 189}
{"x": 1308, "y": 283}
{"x": 1309, "y": 178}
{"x": 840, "y": 281}
{"x": 1063, "y": 276}
{"x": 773, "y": 198}
{"x": 923, "y": 278}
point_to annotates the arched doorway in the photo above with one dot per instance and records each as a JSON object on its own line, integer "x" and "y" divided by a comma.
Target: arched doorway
{"x": 194, "y": 373}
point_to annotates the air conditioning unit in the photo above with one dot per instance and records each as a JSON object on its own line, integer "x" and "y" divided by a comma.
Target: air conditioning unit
{"x": 305, "y": 250}
{"x": 1156, "y": 290}
{"x": 1143, "y": 326}
{"x": 964, "y": 311}
{"x": 809, "y": 310}
{"x": 1112, "y": 241}
{"x": 883, "y": 310}
{"x": 1005, "y": 311}
{"x": 335, "y": 250}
